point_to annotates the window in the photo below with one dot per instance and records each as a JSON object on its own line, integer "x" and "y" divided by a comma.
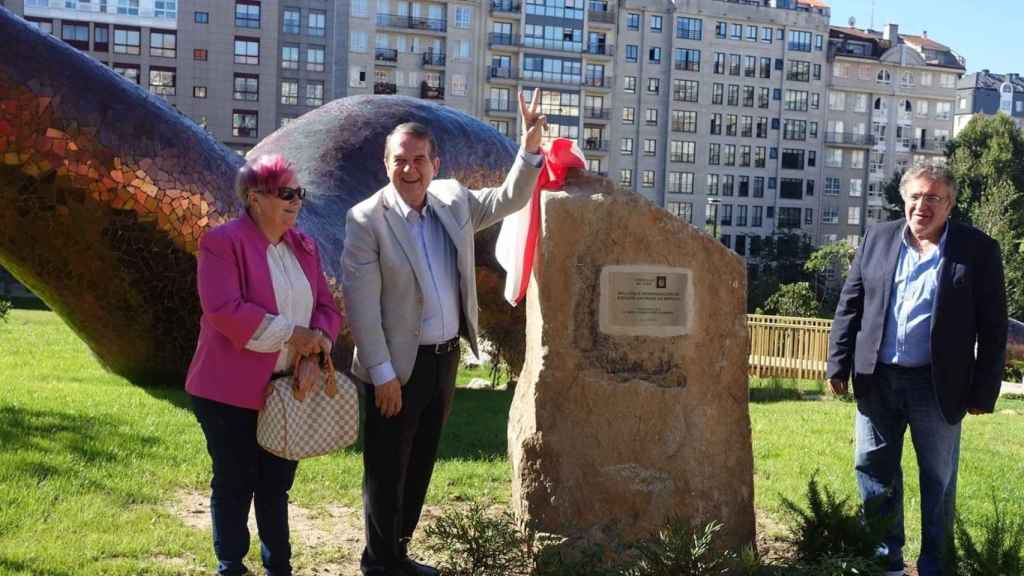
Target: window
{"x": 128, "y": 71}
{"x": 357, "y": 41}
{"x": 716, "y": 124}
{"x": 810, "y": 188}
{"x": 792, "y": 159}
{"x": 685, "y": 90}
{"x": 199, "y": 92}
{"x": 200, "y": 54}
{"x": 766, "y": 35}
{"x": 633, "y": 21}
{"x": 101, "y": 38}
{"x": 127, "y": 41}
{"x": 830, "y": 214}
{"x": 815, "y": 101}
{"x": 721, "y": 28}
{"x": 837, "y": 101}
{"x": 816, "y": 71}
{"x": 162, "y": 81}
{"x": 628, "y": 114}
{"x": 745, "y": 156}
{"x": 733, "y": 98}
{"x": 833, "y": 158}
{"x": 247, "y": 15}
{"x": 763, "y": 97}
{"x": 632, "y": 53}
{"x": 762, "y": 127}
{"x": 819, "y": 42}
{"x": 75, "y": 34}
{"x": 626, "y": 146}
{"x": 356, "y": 74}
{"x": 791, "y": 189}
{"x": 315, "y": 58}
{"x": 714, "y": 154}
{"x": 128, "y": 7}
{"x": 651, "y": 116}
{"x": 201, "y": 17}
{"x": 795, "y": 130}
{"x": 883, "y": 77}
{"x": 629, "y": 84}
{"x": 247, "y": 87}
{"x": 734, "y": 64}
{"x": 857, "y": 159}
{"x": 650, "y": 147}
{"x": 647, "y": 178}
{"x": 799, "y": 41}
{"x": 458, "y": 85}
{"x": 856, "y": 187}
{"x": 290, "y": 56}
{"x": 653, "y": 85}
{"x": 853, "y": 215}
{"x": 744, "y": 190}
{"x": 758, "y": 193}
{"x": 45, "y": 26}
{"x": 163, "y": 44}
{"x": 730, "y": 124}
{"x": 729, "y": 155}
{"x": 289, "y": 92}
{"x": 808, "y": 216}
{"x": 244, "y": 123}
{"x": 688, "y": 60}
{"x": 736, "y": 31}
{"x": 752, "y": 33}
{"x": 689, "y": 28}
{"x": 656, "y": 23}
{"x": 314, "y": 93}
{"x": 166, "y": 9}
{"x": 463, "y": 17}
{"x": 947, "y": 80}
{"x": 684, "y": 121}
{"x": 684, "y": 152}
{"x": 741, "y": 213}
{"x": 718, "y": 93}
{"x": 501, "y": 126}
{"x": 747, "y": 127}
{"x": 683, "y": 210}
{"x": 943, "y": 110}
{"x": 755, "y": 220}
{"x": 291, "y": 19}
{"x": 726, "y": 219}
{"x": 796, "y": 100}
{"x": 719, "y": 63}
{"x": 749, "y": 66}
{"x": 359, "y": 9}
{"x": 654, "y": 55}
{"x": 789, "y": 217}
{"x": 765, "y": 69}
{"x": 247, "y": 51}
{"x": 799, "y": 71}
{"x": 626, "y": 177}
{"x": 713, "y": 185}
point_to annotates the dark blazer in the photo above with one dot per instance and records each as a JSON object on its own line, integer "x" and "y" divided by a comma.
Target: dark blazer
{"x": 969, "y": 309}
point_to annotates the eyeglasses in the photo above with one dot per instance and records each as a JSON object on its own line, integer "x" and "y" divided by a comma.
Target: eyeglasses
{"x": 929, "y": 199}
{"x": 289, "y": 194}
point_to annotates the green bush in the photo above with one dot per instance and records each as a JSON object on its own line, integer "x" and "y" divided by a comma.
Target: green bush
{"x": 831, "y": 528}
{"x": 681, "y": 550}
{"x": 5, "y": 308}
{"x": 1000, "y": 551}
{"x": 470, "y": 542}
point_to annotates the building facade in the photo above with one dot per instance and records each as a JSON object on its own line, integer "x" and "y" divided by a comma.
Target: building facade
{"x": 890, "y": 104}
{"x": 987, "y": 94}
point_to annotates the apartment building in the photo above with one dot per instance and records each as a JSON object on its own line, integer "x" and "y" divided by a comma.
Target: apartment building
{"x": 890, "y": 104}
{"x": 240, "y": 69}
{"x": 987, "y": 94}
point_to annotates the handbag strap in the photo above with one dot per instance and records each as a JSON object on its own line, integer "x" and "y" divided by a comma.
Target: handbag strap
{"x": 330, "y": 386}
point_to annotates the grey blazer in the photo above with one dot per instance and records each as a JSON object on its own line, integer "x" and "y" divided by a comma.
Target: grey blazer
{"x": 382, "y": 282}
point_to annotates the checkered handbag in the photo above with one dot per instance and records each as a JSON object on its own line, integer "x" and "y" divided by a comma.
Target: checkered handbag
{"x": 295, "y": 427}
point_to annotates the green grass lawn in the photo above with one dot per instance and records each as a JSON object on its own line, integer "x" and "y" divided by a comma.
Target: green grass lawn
{"x": 89, "y": 463}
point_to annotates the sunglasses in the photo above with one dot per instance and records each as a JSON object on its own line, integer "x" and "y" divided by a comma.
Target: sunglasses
{"x": 289, "y": 194}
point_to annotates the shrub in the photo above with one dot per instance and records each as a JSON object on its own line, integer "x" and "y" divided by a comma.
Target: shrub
{"x": 470, "y": 542}
{"x": 1000, "y": 551}
{"x": 681, "y": 550}
{"x": 829, "y": 529}
{"x": 5, "y": 308}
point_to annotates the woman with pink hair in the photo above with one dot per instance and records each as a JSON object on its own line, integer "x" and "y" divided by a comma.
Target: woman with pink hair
{"x": 267, "y": 311}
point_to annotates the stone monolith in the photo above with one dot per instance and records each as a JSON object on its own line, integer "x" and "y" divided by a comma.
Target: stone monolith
{"x": 631, "y": 408}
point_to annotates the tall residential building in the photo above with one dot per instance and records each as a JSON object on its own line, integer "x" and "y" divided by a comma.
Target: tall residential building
{"x": 240, "y": 69}
{"x": 890, "y": 104}
{"x": 987, "y": 94}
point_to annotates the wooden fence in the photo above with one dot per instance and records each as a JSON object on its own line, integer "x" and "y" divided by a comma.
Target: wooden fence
{"x": 787, "y": 347}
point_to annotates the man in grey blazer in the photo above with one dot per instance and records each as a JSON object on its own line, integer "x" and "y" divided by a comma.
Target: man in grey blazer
{"x": 921, "y": 330}
{"x": 410, "y": 291}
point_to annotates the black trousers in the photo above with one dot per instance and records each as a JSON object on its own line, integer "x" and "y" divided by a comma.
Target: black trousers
{"x": 398, "y": 458}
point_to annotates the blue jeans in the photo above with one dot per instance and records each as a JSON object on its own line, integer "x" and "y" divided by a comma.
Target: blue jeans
{"x": 244, "y": 472}
{"x": 900, "y": 397}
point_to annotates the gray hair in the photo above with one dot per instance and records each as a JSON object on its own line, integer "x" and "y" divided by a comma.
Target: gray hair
{"x": 931, "y": 171}
{"x": 416, "y": 129}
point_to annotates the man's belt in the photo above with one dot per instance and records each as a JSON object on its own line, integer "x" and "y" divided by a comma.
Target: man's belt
{"x": 442, "y": 348}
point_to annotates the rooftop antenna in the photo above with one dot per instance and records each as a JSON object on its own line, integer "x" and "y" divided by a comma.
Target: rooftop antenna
{"x": 872, "y": 14}
{"x": 853, "y": 22}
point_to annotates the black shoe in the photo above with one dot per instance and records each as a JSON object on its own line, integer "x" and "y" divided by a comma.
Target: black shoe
{"x": 409, "y": 567}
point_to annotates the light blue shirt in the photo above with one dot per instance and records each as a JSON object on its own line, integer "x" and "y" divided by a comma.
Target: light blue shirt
{"x": 437, "y": 256}
{"x": 908, "y": 324}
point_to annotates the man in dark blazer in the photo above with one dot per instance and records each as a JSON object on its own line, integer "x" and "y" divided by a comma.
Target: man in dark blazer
{"x": 921, "y": 329}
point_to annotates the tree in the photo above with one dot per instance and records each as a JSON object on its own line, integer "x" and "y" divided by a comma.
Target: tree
{"x": 987, "y": 162}
{"x": 776, "y": 260}
{"x": 894, "y": 206}
{"x": 829, "y": 264}
{"x": 796, "y": 299}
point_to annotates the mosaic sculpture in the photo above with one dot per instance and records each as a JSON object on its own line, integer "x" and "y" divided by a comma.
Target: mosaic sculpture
{"x": 105, "y": 191}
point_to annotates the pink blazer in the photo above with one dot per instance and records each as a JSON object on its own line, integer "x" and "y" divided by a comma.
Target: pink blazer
{"x": 235, "y": 292}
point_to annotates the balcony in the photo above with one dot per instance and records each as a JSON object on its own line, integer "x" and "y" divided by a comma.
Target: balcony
{"x": 385, "y": 88}
{"x": 497, "y": 39}
{"x": 687, "y": 65}
{"x": 499, "y": 106}
{"x": 411, "y": 22}
{"x": 595, "y": 145}
{"x": 849, "y": 139}
{"x": 551, "y": 77}
{"x": 429, "y": 92}
{"x": 596, "y": 113}
{"x": 684, "y": 127}
{"x": 554, "y": 45}
{"x": 499, "y": 7}
{"x": 929, "y": 145}
{"x": 598, "y": 81}
{"x": 598, "y": 13}
{"x": 502, "y": 73}
{"x": 607, "y": 50}
{"x": 431, "y": 58}
{"x": 386, "y": 56}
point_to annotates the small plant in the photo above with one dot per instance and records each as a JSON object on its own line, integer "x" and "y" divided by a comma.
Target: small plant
{"x": 1000, "y": 551}
{"x": 5, "y": 309}
{"x": 470, "y": 542}
{"x": 573, "y": 559}
{"x": 829, "y": 529}
{"x": 680, "y": 550}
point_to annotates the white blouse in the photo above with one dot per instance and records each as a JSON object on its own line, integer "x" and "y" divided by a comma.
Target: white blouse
{"x": 294, "y": 298}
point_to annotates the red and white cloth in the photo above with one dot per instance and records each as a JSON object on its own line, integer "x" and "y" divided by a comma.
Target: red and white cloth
{"x": 517, "y": 241}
